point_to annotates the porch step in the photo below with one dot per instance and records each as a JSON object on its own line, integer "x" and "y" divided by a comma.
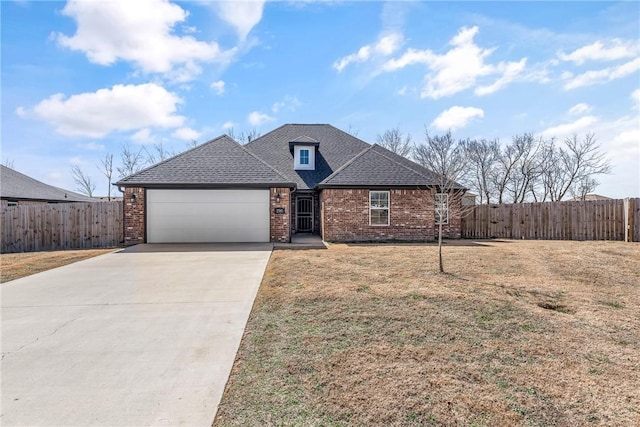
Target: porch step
{"x": 302, "y": 241}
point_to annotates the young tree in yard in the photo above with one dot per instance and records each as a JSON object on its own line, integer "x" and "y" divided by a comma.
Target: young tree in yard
{"x": 131, "y": 160}
{"x": 106, "y": 167}
{"x": 84, "y": 181}
{"x": 394, "y": 140}
{"x": 446, "y": 157}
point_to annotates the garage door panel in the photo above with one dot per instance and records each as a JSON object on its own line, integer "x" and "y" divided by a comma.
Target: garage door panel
{"x": 207, "y": 216}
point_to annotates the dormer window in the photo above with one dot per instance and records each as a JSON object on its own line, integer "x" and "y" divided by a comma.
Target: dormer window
{"x": 304, "y": 153}
{"x": 304, "y": 156}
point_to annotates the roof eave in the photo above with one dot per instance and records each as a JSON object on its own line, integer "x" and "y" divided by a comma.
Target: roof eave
{"x": 191, "y": 185}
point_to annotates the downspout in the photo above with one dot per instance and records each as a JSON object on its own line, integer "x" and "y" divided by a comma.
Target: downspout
{"x": 120, "y": 189}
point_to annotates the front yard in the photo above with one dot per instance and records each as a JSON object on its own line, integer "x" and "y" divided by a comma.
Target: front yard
{"x": 15, "y": 266}
{"x": 517, "y": 333}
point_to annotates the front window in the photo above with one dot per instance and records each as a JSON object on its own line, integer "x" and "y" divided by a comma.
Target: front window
{"x": 379, "y": 207}
{"x": 442, "y": 208}
{"x": 304, "y": 157}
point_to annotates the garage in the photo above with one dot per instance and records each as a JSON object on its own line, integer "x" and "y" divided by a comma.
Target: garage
{"x": 207, "y": 216}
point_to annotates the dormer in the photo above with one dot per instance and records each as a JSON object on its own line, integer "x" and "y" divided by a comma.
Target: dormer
{"x": 304, "y": 152}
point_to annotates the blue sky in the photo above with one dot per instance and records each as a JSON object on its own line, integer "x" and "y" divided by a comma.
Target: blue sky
{"x": 79, "y": 79}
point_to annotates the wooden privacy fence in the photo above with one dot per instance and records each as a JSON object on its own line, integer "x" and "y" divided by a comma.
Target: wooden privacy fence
{"x": 44, "y": 227}
{"x": 582, "y": 220}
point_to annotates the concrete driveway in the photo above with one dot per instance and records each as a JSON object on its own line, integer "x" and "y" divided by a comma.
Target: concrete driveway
{"x": 145, "y": 336}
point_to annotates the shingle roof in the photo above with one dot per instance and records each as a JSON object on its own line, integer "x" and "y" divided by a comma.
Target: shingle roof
{"x": 335, "y": 148}
{"x": 17, "y": 186}
{"x": 219, "y": 162}
{"x": 380, "y": 167}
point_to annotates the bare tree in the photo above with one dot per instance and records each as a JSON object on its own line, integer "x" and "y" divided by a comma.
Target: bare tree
{"x": 106, "y": 168}
{"x": 446, "y": 158}
{"x": 574, "y": 167}
{"x": 482, "y": 156}
{"x": 527, "y": 168}
{"x": 507, "y": 160}
{"x": 131, "y": 160}
{"x": 157, "y": 154}
{"x": 84, "y": 181}
{"x": 394, "y": 140}
{"x": 192, "y": 144}
{"x": 244, "y": 137}
{"x": 9, "y": 163}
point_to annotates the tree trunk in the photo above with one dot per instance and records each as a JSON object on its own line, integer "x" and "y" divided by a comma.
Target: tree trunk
{"x": 440, "y": 248}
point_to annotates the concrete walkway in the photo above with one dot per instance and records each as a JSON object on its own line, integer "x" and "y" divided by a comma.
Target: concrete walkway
{"x": 145, "y": 336}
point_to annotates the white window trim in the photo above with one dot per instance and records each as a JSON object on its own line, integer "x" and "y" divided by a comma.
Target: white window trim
{"x": 312, "y": 157}
{"x": 304, "y": 150}
{"x": 388, "y": 208}
{"x": 438, "y": 209}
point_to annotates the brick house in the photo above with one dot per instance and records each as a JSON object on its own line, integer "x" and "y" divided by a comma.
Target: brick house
{"x": 298, "y": 178}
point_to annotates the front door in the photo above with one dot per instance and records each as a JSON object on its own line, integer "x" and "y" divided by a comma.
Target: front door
{"x": 304, "y": 214}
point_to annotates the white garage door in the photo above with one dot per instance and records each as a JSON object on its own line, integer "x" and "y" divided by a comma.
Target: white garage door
{"x": 201, "y": 216}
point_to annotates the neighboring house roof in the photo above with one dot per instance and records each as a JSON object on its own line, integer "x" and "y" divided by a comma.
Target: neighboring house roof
{"x": 335, "y": 148}
{"x": 590, "y": 197}
{"x": 17, "y": 186}
{"x": 379, "y": 166}
{"x": 219, "y": 162}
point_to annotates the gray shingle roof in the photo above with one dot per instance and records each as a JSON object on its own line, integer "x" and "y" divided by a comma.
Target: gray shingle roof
{"x": 335, "y": 148}
{"x": 17, "y": 186}
{"x": 377, "y": 166}
{"x": 219, "y": 162}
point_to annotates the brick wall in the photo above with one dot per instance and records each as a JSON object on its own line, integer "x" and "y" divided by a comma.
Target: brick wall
{"x": 134, "y": 216}
{"x": 345, "y": 214}
{"x": 453, "y": 229}
{"x": 280, "y": 223}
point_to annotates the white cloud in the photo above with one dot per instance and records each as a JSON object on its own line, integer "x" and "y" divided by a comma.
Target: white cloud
{"x": 386, "y": 45}
{"x": 289, "y": 102}
{"x": 581, "y": 125}
{"x": 256, "y": 118}
{"x": 509, "y": 70}
{"x": 456, "y": 117}
{"x": 242, "y": 15}
{"x": 141, "y": 32}
{"x": 228, "y": 125}
{"x": 21, "y": 112}
{"x": 143, "y": 136}
{"x": 600, "y": 51}
{"x": 459, "y": 68}
{"x": 218, "y": 87}
{"x": 603, "y": 76}
{"x": 186, "y": 134}
{"x": 121, "y": 108}
{"x": 579, "y": 109}
{"x": 635, "y": 96}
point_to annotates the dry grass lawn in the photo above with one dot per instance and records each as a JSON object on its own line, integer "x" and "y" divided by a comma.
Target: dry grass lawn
{"x": 541, "y": 333}
{"x": 15, "y": 266}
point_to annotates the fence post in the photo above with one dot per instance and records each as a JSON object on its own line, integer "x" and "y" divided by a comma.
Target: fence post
{"x": 626, "y": 209}
{"x": 630, "y": 213}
